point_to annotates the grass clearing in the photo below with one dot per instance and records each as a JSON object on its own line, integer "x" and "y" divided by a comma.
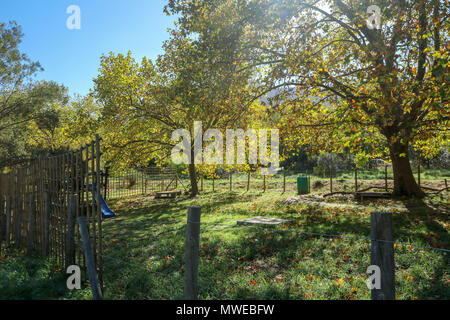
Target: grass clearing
{"x": 33, "y": 278}
{"x": 144, "y": 250}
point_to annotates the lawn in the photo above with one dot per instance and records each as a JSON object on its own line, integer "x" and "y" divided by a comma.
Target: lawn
{"x": 144, "y": 249}
{"x": 33, "y": 278}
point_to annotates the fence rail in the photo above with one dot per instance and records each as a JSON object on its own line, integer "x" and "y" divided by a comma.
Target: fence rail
{"x": 345, "y": 181}
{"x": 381, "y": 242}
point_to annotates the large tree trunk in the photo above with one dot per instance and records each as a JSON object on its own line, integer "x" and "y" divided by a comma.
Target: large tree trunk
{"x": 404, "y": 182}
{"x": 193, "y": 177}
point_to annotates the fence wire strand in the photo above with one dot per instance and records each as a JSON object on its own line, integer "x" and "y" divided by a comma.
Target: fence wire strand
{"x": 340, "y": 236}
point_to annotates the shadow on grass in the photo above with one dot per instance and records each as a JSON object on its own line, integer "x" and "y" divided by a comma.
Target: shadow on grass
{"x": 434, "y": 287}
{"x": 144, "y": 252}
{"x": 27, "y": 278}
{"x": 423, "y": 223}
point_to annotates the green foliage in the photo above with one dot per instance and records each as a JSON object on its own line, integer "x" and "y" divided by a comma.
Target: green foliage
{"x": 59, "y": 128}
{"x": 336, "y": 84}
{"x": 361, "y": 160}
{"x": 21, "y": 99}
{"x": 196, "y": 79}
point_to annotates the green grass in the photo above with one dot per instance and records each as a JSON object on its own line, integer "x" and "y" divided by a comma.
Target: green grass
{"x": 144, "y": 250}
{"x": 33, "y": 278}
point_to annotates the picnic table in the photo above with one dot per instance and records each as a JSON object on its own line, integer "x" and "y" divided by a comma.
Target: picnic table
{"x": 167, "y": 194}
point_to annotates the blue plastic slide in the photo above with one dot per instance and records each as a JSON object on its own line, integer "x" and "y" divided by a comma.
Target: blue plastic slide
{"x": 106, "y": 211}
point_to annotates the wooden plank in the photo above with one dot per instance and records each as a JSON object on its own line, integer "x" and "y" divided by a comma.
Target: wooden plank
{"x": 18, "y": 222}
{"x": 261, "y": 221}
{"x": 47, "y": 224}
{"x": 167, "y": 194}
{"x": 70, "y": 236}
{"x": 31, "y": 217}
{"x": 92, "y": 272}
{"x": 99, "y": 213}
{"x": 382, "y": 254}
{"x": 8, "y": 220}
{"x": 374, "y": 194}
{"x": 192, "y": 252}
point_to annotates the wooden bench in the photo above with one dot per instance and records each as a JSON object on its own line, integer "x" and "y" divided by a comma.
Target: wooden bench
{"x": 363, "y": 195}
{"x": 167, "y": 194}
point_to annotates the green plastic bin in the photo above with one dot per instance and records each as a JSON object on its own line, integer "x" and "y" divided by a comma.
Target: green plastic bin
{"x": 303, "y": 185}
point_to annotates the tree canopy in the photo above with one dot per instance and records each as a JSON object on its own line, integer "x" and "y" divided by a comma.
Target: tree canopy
{"x": 22, "y": 100}
{"x": 337, "y": 82}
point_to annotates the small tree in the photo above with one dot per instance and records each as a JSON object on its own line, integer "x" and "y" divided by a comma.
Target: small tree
{"x": 195, "y": 80}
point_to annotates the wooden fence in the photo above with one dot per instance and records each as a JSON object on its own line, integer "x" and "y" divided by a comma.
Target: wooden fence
{"x": 140, "y": 182}
{"x": 37, "y": 213}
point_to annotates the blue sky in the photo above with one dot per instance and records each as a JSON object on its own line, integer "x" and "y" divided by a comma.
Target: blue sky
{"x": 72, "y": 57}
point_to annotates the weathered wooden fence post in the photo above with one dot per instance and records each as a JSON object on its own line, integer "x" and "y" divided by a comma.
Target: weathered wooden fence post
{"x": 145, "y": 184}
{"x": 356, "y": 178}
{"x": 201, "y": 184}
{"x": 284, "y": 180}
{"x": 309, "y": 183}
{"x": 92, "y": 272}
{"x": 70, "y": 241}
{"x": 30, "y": 233}
{"x": 8, "y": 220}
{"x": 264, "y": 186}
{"x": 18, "y": 221}
{"x": 192, "y": 251}
{"x": 2, "y": 222}
{"x": 106, "y": 191}
{"x": 231, "y": 181}
{"x": 382, "y": 254}
{"x": 142, "y": 182}
{"x": 47, "y": 224}
{"x": 248, "y": 181}
{"x": 213, "y": 182}
{"x": 331, "y": 179}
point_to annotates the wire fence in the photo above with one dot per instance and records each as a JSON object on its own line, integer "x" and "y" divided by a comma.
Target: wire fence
{"x": 133, "y": 182}
{"x": 194, "y": 241}
{"x": 380, "y": 179}
{"x": 318, "y": 234}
